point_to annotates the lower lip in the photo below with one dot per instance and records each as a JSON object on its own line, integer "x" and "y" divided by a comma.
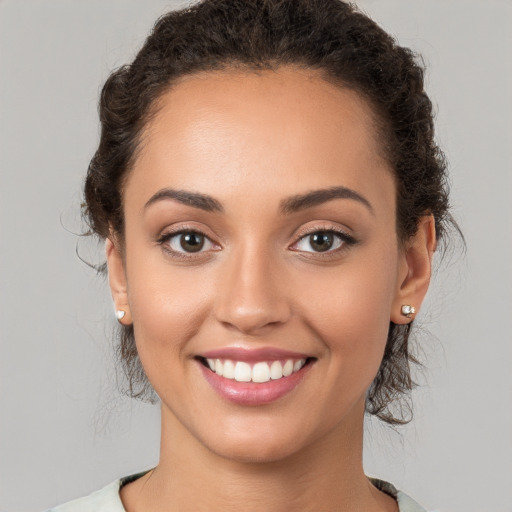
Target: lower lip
{"x": 253, "y": 393}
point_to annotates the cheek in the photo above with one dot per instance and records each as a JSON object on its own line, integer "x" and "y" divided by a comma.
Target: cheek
{"x": 349, "y": 309}
{"x": 353, "y": 327}
{"x": 168, "y": 305}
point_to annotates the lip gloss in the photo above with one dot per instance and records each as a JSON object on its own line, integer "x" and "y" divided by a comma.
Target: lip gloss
{"x": 253, "y": 393}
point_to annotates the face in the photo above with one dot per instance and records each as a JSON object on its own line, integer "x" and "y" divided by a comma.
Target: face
{"x": 260, "y": 264}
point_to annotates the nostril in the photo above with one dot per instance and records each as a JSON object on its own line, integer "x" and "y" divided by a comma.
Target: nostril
{"x": 252, "y": 320}
{"x": 250, "y": 299}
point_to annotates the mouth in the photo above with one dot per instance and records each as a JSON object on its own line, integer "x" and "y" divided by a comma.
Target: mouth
{"x": 259, "y": 372}
{"x": 253, "y": 377}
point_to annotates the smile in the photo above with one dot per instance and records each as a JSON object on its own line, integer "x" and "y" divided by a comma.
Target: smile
{"x": 254, "y": 377}
{"x": 259, "y": 372}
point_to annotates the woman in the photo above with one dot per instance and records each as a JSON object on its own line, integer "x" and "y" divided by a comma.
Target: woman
{"x": 271, "y": 197}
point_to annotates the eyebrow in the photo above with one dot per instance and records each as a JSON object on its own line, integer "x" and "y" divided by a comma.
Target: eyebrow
{"x": 194, "y": 199}
{"x": 287, "y": 206}
{"x": 317, "y": 197}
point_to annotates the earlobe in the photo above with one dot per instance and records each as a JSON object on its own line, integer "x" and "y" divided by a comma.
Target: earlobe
{"x": 414, "y": 272}
{"x": 117, "y": 282}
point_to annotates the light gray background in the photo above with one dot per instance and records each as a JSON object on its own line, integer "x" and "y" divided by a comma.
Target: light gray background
{"x": 65, "y": 431}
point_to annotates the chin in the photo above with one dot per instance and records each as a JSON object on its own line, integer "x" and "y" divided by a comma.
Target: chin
{"x": 261, "y": 442}
{"x": 256, "y": 451}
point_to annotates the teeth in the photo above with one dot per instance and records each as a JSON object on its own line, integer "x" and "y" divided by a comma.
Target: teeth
{"x": 276, "y": 370}
{"x": 229, "y": 369}
{"x": 243, "y": 372}
{"x": 260, "y": 372}
{"x": 288, "y": 368}
{"x": 296, "y": 366}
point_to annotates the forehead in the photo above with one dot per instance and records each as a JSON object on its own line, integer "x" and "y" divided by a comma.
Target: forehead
{"x": 215, "y": 131}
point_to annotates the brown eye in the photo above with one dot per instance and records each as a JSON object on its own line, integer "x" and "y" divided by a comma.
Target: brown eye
{"x": 188, "y": 242}
{"x": 191, "y": 242}
{"x": 321, "y": 241}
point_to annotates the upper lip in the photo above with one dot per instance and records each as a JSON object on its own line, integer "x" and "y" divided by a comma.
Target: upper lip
{"x": 254, "y": 354}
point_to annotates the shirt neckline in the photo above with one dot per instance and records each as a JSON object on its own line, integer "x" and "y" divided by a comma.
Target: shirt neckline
{"x": 405, "y": 503}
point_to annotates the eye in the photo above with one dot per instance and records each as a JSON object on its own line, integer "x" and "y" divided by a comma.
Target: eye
{"x": 323, "y": 241}
{"x": 187, "y": 242}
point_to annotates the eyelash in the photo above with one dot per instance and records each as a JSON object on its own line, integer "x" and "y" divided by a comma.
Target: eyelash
{"x": 346, "y": 242}
{"x": 166, "y": 237}
{"x": 345, "y": 239}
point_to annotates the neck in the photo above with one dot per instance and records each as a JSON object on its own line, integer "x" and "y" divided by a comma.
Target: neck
{"x": 327, "y": 475}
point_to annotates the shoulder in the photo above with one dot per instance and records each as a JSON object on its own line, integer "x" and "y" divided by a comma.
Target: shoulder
{"x": 104, "y": 500}
{"x": 405, "y": 503}
{"x": 108, "y": 499}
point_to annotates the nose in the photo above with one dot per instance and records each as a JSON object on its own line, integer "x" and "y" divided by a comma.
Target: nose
{"x": 250, "y": 297}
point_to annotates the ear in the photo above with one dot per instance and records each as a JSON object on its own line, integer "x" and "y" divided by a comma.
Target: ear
{"x": 414, "y": 271}
{"x": 117, "y": 282}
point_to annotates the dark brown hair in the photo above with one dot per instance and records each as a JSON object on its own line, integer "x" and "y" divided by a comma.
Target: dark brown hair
{"x": 331, "y": 36}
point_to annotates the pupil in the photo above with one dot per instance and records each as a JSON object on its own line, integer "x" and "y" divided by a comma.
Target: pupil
{"x": 191, "y": 242}
{"x": 321, "y": 241}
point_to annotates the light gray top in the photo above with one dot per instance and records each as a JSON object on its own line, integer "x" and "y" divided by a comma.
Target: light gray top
{"x": 108, "y": 499}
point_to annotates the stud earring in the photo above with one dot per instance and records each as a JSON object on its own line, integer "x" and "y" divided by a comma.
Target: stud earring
{"x": 120, "y": 314}
{"x": 408, "y": 310}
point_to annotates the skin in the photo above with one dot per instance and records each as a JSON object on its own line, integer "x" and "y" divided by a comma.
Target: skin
{"x": 251, "y": 141}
